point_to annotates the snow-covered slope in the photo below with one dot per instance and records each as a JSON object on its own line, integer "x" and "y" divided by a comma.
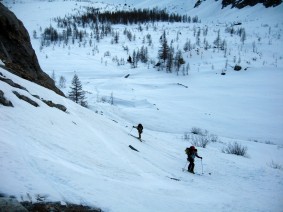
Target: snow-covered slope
{"x": 83, "y": 156}
{"x": 240, "y": 99}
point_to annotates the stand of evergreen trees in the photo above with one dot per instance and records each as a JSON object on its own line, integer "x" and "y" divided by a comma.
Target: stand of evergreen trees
{"x": 135, "y": 16}
{"x": 100, "y": 23}
{"x": 168, "y": 59}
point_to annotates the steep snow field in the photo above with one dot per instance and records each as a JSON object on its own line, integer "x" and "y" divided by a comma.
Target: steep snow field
{"x": 82, "y": 156}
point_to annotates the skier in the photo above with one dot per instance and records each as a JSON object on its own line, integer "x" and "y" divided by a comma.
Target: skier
{"x": 139, "y": 128}
{"x": 192, "y": 153}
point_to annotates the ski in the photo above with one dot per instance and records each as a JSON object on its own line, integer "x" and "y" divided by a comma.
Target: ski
{"x": 196, "y": 173}
{"x": 141, "y": 140}
{"x": 184, "y": 170}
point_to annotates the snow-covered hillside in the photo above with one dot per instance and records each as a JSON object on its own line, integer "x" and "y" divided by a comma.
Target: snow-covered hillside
{"x": 83, "y": 155}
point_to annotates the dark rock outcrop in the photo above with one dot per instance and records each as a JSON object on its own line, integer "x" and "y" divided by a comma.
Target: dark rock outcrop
{"x": 237, "y": 68}
{"x": 11, "y": 83}
{"x": 11, "y": 204}
{"x": 58, "y": 106}
{"x": 25, "y": 98}
{"x": 17, "y": 53}
{"x": 4, "y": 101}
{"x": 197, "y": 3}
{"x": 57, "y": 206}
{"x": 243, "y": 3}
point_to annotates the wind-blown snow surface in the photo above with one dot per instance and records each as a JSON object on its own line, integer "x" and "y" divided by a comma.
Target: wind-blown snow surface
{"x": 82, "y": 156}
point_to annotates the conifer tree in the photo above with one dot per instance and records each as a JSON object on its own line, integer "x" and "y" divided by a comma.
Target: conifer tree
{"x": 243, "y": 36}
{"x": 134, "y": 63}
{"x": 116, "y": 37}
{"x": 217, "y": 41}
{"x": 62, "y": 82}
{"x": 53, "y": 76}
{"x": 164, "y": 50}
{"x": 188, "y": 46}
{"x": 77, "y": 94}
{"x": 170, "y": 60}
{"x": 179, "y": 60}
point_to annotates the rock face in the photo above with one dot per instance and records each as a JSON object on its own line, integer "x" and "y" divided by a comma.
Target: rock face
{"x": 58, "y": 106}
{"x": 17, "y": 53}
{"x": 4, "y": 101}
{"x": 243, "y": 3}
{"x": 11, "y": 204}
{"x": 25, "y": 98}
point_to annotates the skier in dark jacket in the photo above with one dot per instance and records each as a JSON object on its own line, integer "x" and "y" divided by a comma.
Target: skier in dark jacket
{"x": 192, "y": 153}
{"x": 139, "y": 128}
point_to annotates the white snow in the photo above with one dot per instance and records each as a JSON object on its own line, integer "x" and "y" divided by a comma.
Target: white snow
{"x": 82, "y": 156}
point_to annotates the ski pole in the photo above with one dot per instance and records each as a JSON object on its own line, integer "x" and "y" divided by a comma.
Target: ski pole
{"x": 131, "y": 130}
{"x": 185, "y": 166}
{"x": 201, "y": 167}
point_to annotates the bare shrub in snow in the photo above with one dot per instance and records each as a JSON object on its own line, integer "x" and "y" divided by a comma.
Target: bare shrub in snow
{"x": 199, "y": 137}
{"x": 269, "y": 142}
{"x": 186, "y": 136}
{"x": 236, "y": 149}
{"x": 199, "y": 140}
{"x": 213, "y": 138}
{"x": 107, "y": 54}
{"x": 198, "y": 131}
{"x": 275, "y": 165}
{"x": 62, "y": 82}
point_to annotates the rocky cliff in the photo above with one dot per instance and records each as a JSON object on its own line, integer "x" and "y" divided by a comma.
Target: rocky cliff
{"x": 17, "y": 53}
{"x": 243, "y": 3}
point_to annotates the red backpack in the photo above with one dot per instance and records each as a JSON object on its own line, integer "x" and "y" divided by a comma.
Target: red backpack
{"x": 190, "y": 150}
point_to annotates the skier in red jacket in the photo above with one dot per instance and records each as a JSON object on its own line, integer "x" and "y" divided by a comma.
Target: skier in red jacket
{"x": 192, "y": 153}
